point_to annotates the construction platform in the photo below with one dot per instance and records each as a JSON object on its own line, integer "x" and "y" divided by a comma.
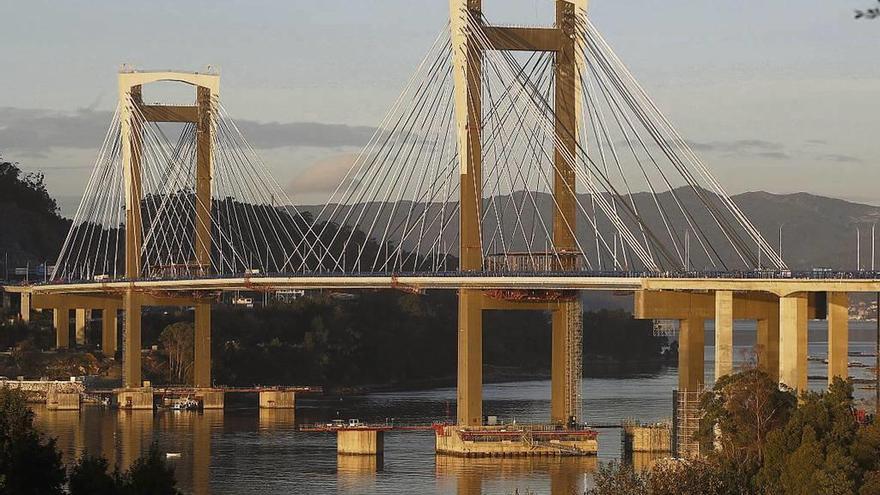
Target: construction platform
{"x": 516, "y": 441}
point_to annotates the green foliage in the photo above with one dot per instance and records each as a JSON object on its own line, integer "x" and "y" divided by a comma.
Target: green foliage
{"x": 30, "y": 228}
{"x": 614, "y": 478}
{"x": 818, "y": 449}
{"x": 743, "y": 408}
{"x": 150, "y": 475}
{"x": 29, "y": 464}
{"x": 89, "y": 476}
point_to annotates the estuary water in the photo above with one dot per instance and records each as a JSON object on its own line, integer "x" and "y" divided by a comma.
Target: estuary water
{"x": 244, "y": 450}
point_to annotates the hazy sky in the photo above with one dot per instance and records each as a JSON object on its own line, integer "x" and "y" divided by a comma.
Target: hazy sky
{"x": 777, "y": 95}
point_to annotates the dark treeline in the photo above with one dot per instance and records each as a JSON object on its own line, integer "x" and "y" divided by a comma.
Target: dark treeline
{"x": 396, "y": 339}
{"x": 31, "y": 230}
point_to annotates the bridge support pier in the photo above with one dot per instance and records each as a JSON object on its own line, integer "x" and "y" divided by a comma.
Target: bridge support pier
{"x": 25, "y": 311}
{"x": 470, "y": 358}
{"x": 768, "y": 343}
{"x": 567, "y": 322}
{"x": 61, "y": 320}
{"x": 131, "y": 340}
{"x": 80, "y": 327}
{"x": 202, "y": 341}
{"x": 838, "y": 335}
{"x": 793, "y": 341}
{"x": 108, "y": 331}
{"x": 723, "y": 333}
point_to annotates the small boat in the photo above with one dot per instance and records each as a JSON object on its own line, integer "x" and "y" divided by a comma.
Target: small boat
{"x": 184, "y": 404}
{"x": 172, "y": 455}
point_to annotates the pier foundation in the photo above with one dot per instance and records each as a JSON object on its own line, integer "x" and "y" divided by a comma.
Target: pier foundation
{"x": 360, "y": 441}
{"x": 210, "y": 398}
{"x": 277, "y": 399}
{"x": 62, "y": 401}
{"x": 134, "y": 398}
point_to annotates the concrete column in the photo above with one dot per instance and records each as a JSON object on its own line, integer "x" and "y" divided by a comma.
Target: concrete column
{"x": 723, "y": 333}
{"x": 838, "y": 335}
{"x": 564, "y": 368}
{"x": 25, "y": 312}
{"x": 131, "y": 340}
{"x": 61, "y": 317}
{"x": 470, "y": 358}
{"x": 108, "y": 331}
{"x": 793, "y": 341}
{"x": 202, "y": 352}
{"x": 80, "y": 327}
{"x": 768, "y": 344}
{"x": 691, "y": 341}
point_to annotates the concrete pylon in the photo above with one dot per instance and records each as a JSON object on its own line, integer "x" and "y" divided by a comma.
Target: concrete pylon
{"x": 467, "y": 58}
{"x": 109, "y": 324}
{"x": 723, "y": 333}
{"x": 838, "y": 335}
{"x": 768, "y": 343}
{"x": 131, "y": 340}
{"x": 793, "y": 341}
{"x": 25, "y": 311}
{"x": 691, "y": 354}
{"x": 202, "y": 351}
{"x": 61, "y": 320}
{"x": 80, "y": 325}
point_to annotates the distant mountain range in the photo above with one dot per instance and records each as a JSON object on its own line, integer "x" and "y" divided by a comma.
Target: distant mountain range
{"x": 816, "y": 231}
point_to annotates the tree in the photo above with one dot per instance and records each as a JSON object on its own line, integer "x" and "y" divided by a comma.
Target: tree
{"x": 29, "y": 464}
{"x": 815, "y": 452}
{"x": 150, "y": 475}
{"x": 89, "y": 476}
{"x": 743, "y": 408}
{"x": 178, "y": 341}
{"x": 615, "y": 478}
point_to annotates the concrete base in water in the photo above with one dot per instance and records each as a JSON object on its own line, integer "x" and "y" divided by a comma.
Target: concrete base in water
{"x": 647, "y": 438}
{"x": 277, "y": 399}
{"x": 62, "y": 401}
{"x": 360, "y": 441}
{"x": 210, "y": 398}
{"x": 514, "y": 441}
{"x": 134, "y": 398}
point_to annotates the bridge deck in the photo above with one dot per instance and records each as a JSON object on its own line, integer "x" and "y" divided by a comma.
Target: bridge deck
{"x": 836, "y": 282}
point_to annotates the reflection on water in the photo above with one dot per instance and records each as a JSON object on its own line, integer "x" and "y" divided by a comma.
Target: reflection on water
{"x": 274, "y": 419}
{"x": 357, "y": 473}
{"x": 562, "y": 475}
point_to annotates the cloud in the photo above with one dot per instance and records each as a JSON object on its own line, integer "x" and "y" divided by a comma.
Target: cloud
{"x": 323, "y": 175}
{"x": 739, "y": 146}
{"x": 837, "y": 158}
{"x": 32, "y": 132}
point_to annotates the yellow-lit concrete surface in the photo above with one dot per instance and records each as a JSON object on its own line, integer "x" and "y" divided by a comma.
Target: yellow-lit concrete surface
{"x": 838, "y": 335}
{"x": 62, "y": 401}
{"x": 793, "y": 341}
{"x": 80, "y": 319}
{"x": 360, "y": 441}
{"x": 61, "y": 321}
{"x": 134, "y": 398}
{"x": 647, "y": 438}
{"x": 450, "y": 441}
{"x": 723, "y": 333}
{"x": 210, "y": 398}
{"x": 277, "y": 399}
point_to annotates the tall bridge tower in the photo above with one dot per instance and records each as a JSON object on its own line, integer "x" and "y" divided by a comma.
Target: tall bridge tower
{"x": 134, "y": 114}
{"x": 466, "y": 24}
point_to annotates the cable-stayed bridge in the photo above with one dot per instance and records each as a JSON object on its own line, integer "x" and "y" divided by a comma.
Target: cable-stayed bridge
{"x": 519, "y": 165}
